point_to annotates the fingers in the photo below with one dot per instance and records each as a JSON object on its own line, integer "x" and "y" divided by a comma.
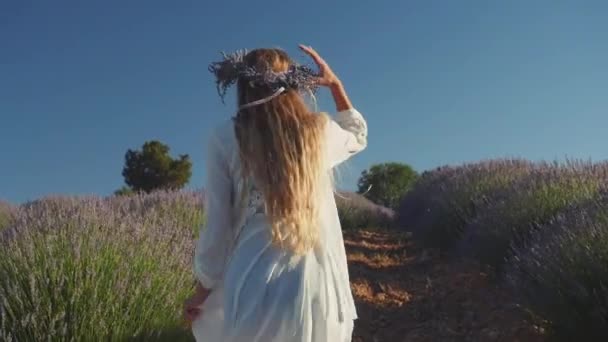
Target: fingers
{"x": 191, "y": 311}
{"x": 313, "y": 54}
{"x": 191, "y": 314}
{"x": 309, "y": 50}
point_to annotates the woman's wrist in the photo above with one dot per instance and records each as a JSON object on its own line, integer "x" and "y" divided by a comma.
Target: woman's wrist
{"x": 339, "y": 94}
{"x": 336, "y": 83}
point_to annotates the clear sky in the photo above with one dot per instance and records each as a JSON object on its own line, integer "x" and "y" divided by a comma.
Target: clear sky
{"x": 440, "y": 82}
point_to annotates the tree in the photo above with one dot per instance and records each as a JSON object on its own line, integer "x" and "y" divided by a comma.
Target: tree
{"x": 153, "y": 168}
{"x": 387, "y": 183}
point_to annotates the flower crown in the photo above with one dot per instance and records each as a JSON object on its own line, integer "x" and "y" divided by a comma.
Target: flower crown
{"x": 232, "y": 68}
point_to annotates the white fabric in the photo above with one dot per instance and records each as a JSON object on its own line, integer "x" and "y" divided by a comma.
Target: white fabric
{"x": 259, "y": 292}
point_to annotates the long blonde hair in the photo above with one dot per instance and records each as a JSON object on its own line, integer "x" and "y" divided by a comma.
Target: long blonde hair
{"x": 281, "y": 148}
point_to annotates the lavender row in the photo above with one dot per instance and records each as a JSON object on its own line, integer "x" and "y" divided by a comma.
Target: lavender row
{"x": 542, "y": 226}
{"x": 561, "y": 272}
{"x": 116, "y": 268}
{"x": 97, "y": 268}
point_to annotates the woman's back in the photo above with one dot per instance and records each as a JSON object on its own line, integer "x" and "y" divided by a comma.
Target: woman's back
{"x": 261, "y": 288}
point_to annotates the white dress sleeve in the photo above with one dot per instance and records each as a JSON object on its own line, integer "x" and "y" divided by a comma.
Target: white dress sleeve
{"x": 215, "y": 239}
{"x": 347, "y": 135}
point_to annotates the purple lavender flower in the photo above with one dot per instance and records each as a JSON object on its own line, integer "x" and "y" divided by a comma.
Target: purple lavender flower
{"x": 477, "y": 209}
{"x": 80, "y": 268}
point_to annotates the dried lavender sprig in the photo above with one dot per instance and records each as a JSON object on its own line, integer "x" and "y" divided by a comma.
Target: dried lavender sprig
{"x": 233, "y": 67}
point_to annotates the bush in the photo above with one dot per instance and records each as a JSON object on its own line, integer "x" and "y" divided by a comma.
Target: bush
{"x": 562, "y": 272}
{"x": 442, "y": 201}
{"x": 386, "y": 184}
{"x": 357, "y": 212}
{"x": 7, "y": 213}
{"x": 97, "y": 269}
{"x": 508, "y": 217}
{"x": 124, "y": 191}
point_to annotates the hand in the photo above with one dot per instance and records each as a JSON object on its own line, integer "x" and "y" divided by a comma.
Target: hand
{"x": 192, "y": 306}
{"x": 326, "y": 75}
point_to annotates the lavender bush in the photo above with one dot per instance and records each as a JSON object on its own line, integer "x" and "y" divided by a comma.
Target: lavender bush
{"x": 7, "y": 213}
{"x": 97, "y": 269}
{"x": 507, "y": 217}
{"x": 562, "y": 272}
{"x": 357, "y": 212}
{"x": 437, "y": 209}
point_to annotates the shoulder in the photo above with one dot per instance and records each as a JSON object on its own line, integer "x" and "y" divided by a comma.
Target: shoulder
{"x": 223, "y": 130}
{"x": 221, "y": 136}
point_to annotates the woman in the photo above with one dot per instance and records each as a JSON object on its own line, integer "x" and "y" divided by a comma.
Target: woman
{"x": 270, "y": 263}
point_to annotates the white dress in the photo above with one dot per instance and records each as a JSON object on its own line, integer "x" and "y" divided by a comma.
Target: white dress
{"x": 260, "y": 293}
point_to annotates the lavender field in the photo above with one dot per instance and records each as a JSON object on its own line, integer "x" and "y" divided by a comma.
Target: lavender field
{"x": 542, "y": 228}
{"x": 75, "y": 269}
{"x": 118, "y": 268}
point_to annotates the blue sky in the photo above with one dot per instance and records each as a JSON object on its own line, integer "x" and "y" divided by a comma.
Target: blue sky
{"x": 440, "y": 82}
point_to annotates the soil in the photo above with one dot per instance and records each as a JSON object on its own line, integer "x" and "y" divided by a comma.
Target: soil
{"x": 404, "y": 293}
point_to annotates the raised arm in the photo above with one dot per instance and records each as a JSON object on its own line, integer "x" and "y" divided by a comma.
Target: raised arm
{"x": 346, "y": 135}
{"x": 347, "y": 131}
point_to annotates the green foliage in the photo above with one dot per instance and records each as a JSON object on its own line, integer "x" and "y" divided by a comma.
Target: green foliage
{"x": 152, "y": 168}
{"x": 389, "y": 182}
{"x": 124, "y": 191}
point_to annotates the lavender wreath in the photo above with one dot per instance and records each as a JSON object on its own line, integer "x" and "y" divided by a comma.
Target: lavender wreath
{"x": 232, "y": 68}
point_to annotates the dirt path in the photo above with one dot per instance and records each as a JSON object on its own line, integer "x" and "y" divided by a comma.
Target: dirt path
{"x": 404, "y": 295}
